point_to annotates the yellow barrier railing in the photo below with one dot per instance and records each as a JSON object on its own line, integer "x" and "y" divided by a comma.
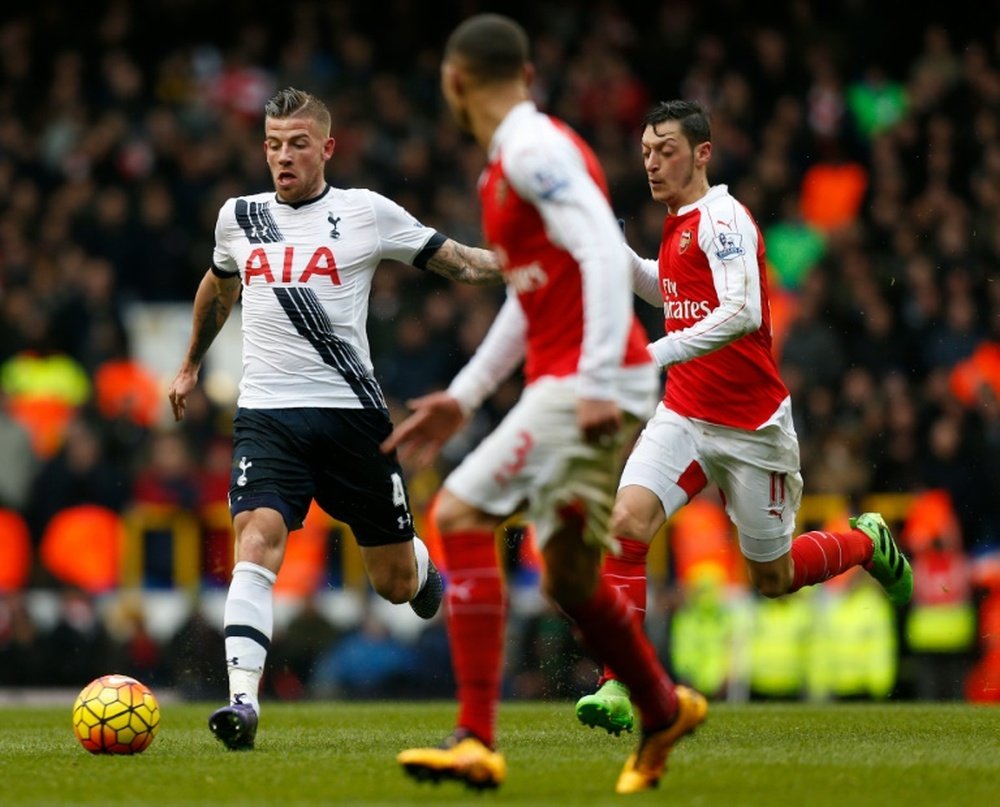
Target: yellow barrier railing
{"x": 188, "y": 531}
{"x": 185, "y": 532}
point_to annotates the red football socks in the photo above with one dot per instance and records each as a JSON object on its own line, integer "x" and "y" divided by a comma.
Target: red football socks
{"x": 476, "y": 610}
{"x": 611, "y": 629}
{"x": 626, "y": 571}
{"x": 820, "y": 555}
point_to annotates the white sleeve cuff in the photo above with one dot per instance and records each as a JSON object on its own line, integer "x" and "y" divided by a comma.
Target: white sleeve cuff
{"x": 468, "y": 392}
{"x": 662, "y": 351}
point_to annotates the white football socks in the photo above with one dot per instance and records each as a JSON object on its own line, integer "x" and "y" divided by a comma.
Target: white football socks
{"x": 423, "y": 559}
{"x": 249, "y": 623}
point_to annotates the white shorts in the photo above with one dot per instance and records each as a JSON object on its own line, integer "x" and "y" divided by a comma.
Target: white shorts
{"x": 757, "y": 472}
{"x": 536, "y": 461}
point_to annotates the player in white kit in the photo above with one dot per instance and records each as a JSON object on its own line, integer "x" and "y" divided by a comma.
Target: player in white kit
{"x": 311, "y": 416}
{"x": 726, "y": 415}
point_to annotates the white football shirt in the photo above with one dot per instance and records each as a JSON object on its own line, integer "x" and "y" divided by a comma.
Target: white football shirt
{"x": 307, "y": 271}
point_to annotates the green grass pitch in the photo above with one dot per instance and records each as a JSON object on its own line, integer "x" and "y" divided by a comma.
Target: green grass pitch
{"x": 344, "y": 753}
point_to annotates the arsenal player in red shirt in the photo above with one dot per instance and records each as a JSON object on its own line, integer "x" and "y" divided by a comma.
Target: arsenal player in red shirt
{"x": 726, "y": 416}
{"x": 589, "y": 383}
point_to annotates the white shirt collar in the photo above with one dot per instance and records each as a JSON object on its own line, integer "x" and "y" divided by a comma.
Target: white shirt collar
{"x": 514, "y": 118}
{"x": 714, "y": 192}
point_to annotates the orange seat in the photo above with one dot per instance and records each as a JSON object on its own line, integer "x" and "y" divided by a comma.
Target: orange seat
{"x": 44, "y": 418}
{"x": 82, "y": 546}
{"x": 126, "y": 389}
{"x": 15, "y": 551}
{"x": 931, "y": 519}
{"x": 303, "y": 570}
{"x": 701, "y": 537}
{"x": 832, "y": 194}
{"x": 981, "y": 369}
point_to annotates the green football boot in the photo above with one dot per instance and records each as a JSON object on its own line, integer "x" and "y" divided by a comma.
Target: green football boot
{"x": 610, "y": 708}
{"x": 888, "y": 565}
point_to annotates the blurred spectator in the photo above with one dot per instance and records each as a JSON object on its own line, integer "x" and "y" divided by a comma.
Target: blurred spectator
{"x": 896, "y": 449}
{"x": 813, "y": 345}
{"x": 167, "y": 478}
{"x": 137, "y": 653}
{"x": 953, "y": 463}
{"x": 43, "y": 387}
{"x": 940, "y": 627}
{"x": 367, "y": 663}
{"x": 20, "y": 461}
{"x": 88, "y": 322}
{"x": 22, "y": 651}
{"x": 192, "y": 655}
{"x": 78, "y": 648}
{"x": 778, "y": 652}
{"x": 876, "y": 101}
{"x": 703, "y": 635}
{"x": 168, "y": 475}
{"x": 550, "y": 662}
{"x": 114, "y": 158}
{"x": 297, "y": 648}
{"x": 853, "y": 652}
{"x": 79, "y": 474}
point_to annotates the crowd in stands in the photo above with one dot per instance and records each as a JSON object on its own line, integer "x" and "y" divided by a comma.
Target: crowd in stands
{"x": 867, "y": 145}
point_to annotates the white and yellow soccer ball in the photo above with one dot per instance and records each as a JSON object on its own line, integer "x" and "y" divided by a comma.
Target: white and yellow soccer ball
{"x": 116, "y": 714}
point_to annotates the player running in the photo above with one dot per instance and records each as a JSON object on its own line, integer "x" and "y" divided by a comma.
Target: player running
{"x": 726, "y": 415}
{"x": 311, "y": 415}
{"x": 589, "y": 383}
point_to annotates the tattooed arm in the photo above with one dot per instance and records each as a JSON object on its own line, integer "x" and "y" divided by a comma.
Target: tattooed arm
{"x": 213, "y": 303}
{"x": 465, "y": 264}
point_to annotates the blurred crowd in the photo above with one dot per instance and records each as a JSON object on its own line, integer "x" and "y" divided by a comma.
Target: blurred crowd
{"x": 867, "y": 146}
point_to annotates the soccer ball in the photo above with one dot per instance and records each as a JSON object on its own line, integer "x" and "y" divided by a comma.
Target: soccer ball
{"x": 116, "y": 714}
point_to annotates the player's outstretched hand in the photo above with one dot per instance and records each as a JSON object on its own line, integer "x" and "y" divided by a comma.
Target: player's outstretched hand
{"x": 599, "y": 420}
{"x": 185, "y": 381}
{"x": 419, "y": 438}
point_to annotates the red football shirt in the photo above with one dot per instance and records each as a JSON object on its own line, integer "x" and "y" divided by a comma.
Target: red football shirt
{"x": 717, "y": 318}
{"x": 544, "y": 197}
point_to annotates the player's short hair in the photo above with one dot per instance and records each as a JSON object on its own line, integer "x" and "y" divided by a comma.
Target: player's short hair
{"x": 491, "y": 47}
{"x": 691, "y": 115}
{"x": 292, "y": 103}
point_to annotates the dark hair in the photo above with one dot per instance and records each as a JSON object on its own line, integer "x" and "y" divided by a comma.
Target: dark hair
{"x": 692, "y": 116}
{"x": 291, "y": 103}
{"x": 492, "y": 47}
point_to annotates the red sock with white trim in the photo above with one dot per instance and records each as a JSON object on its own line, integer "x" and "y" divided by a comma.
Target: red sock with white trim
{"x": 626, "y": 571}
{"x": 820, "y": 555}
{"x": 612, "y": 631}
{"x": 476, "y": 609}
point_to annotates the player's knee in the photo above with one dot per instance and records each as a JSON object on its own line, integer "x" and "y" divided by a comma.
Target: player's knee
{"x": 260, "y": 539}
{"x": 622, "y": 520}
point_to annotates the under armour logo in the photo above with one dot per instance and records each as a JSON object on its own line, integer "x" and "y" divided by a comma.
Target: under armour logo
{"x": 238, "y": 698}
{"x": 241, "y": 480}
{"x": 232, "y": 662}
{"x": 403, "y": 521}
{"x": 334, "y": 233}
